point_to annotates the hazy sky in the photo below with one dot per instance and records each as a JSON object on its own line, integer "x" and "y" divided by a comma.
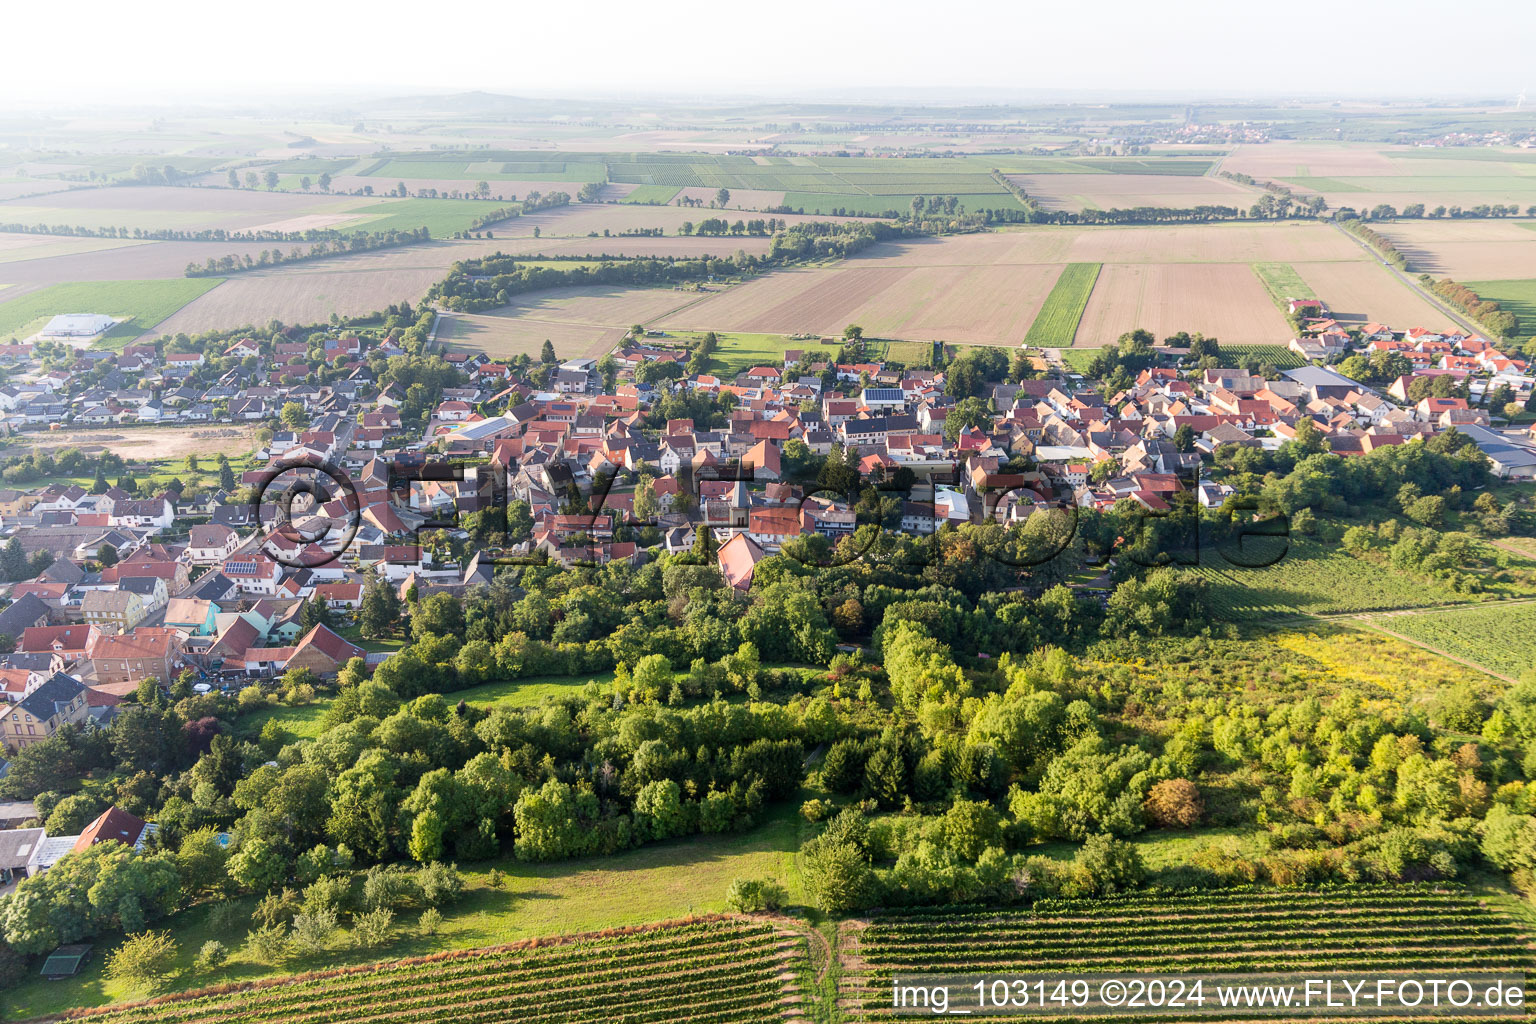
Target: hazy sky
{"x": 111, "y": 52}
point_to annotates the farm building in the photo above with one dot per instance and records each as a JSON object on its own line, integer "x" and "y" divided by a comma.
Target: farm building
{"x": 77, "y": 325}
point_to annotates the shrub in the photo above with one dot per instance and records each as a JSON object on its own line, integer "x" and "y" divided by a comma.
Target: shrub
{"x": 1175, "y": 803}
{"x": 269, "y": 944}
{"x": 440, "y": 883}
{"x": 312, "y": 930}
{"x": 389, "y": 888}
{"x": 371, "y": 930}
{"x": 210, "y": 957}
{"x": 755, "y": 895}
{"x": 817, "y": 810}
{"x": 430, "y": 921}
{"x": 144, "y": 959}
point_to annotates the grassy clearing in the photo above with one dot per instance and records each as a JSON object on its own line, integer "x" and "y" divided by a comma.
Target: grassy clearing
{"x": 652, "y": 195}
{"x": 1078, "y": 359}
{"x": 1282, "y": 282}
{"x": 738, "y": 352}
{"x": 300, "y": 723}
{"x": 143, "y": 303}
{"x": 304, "y": 722}
{"x": 527, "y": 692}
{"x": 1500, "y": 638}
{"x": 1056, "y": 323}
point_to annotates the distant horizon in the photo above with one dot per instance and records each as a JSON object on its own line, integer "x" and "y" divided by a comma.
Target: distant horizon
{"x": 295, "y": 98}
{"x": 194, "y": 54}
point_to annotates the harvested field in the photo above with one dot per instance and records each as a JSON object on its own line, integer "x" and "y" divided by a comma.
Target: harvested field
{"x": 580, "y": 219}
{"x": 188, "y": 209}
{"x": 1467, "y": 249}
{"x": 113, "y": 260}
{"x": 987, "y": 305}
{"x": 1284, "y": 242}
{"x": 1324, "y": 159}
{"x": 998, "y": 248}
{"x": 1219, "y": 300}
{"x": 1127, "y": 191}
{"x": 691, "y": 247}
{"x": 20, "y": 187}
{"x": 502, "y": 336}
{"x": 16, "y": 248}
{"x": 1360, "y": 292}
{"x": 577, "y": 321}
{"x": 308, "y": 222}
{"x": 602, "y": 305}
{"x": 349, "y": 285}
{"x": 741, "y": 199}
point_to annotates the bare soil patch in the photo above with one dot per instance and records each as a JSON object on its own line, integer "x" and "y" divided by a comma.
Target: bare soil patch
{"x": 986, "y": 305}
{"x": 1360, "y": 292}
{"x": 1467, "y": 250}
{"x": 1225, "y": 301}
{"x": 146, "y": 443}
{"x": 1238, "y": 242}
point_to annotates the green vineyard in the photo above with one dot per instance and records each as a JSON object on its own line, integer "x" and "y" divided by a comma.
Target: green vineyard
{"x": 718, "y": 971}
{"x": 1312, "y": 578}
{"x": 1502, "y": 637}
{"x": 1385, "y": 929}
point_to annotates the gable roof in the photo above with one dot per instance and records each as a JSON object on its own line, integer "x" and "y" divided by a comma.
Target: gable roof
{"x": 43, "y": 702}
{"x": 113, "y": 824}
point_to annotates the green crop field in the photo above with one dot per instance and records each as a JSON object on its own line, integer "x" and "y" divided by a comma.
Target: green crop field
{"x": 1056, "y": 323}
{"x": 1518, "y": 297}
{"x": 652, "y": 195}
{"x": 1502, "y": 638}
{"x": 441, "y": 217}
{"x": 1282, "y": 282}
{"x": 1343, "y": 928}
{"x": 145, "y": 303}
